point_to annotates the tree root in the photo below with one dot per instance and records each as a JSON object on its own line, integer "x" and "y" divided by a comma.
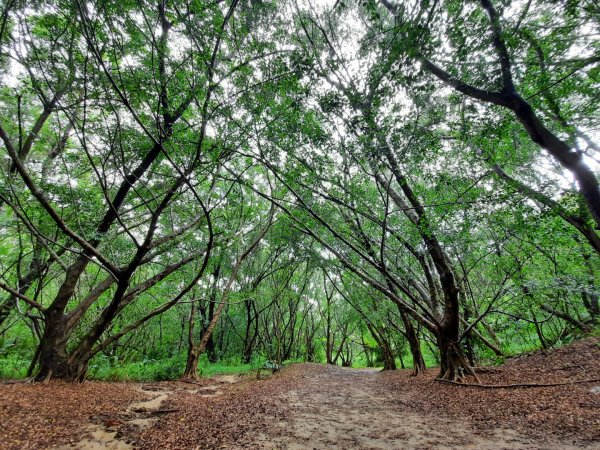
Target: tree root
{"x": 477, "y": 369}
{"x": 163, "y": 411}
{"x": 28, "y": 380}
{"x": 191, "y": 381}
{"x": 567, "y": 367}
{"x": 516, "y": 386}
{"x": 416, "y": 372}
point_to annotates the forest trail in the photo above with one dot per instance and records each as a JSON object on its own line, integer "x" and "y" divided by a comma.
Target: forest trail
{"x": 199, "y": 186}
{"x": 313, "y": 406}
{"x": 351, "y": 409}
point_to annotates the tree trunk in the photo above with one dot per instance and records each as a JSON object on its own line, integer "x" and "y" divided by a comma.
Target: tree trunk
{"x": 468, "y": 337}
{"x": 367, "y": 351}
{"x": 402, "y": 366}
{"x": 210, "y": 344}
{"x": 211, "y": 351}
{"x": 196, "y": 350}
{"x": 248, "y": 340}
{"x": 54, "y": 361}
{"x": 53, "y": 358}
{"x": 540, "y": 334}
{"x": 329, "y": 343}
{"x": 570, "y": 158}
{"x": 191, "y": 365}
{"x": 389, "y": 362}
{"x": 387, "y": 354}
{"x": 414, "y": 344}
{"x": 347, "y": 357}
{"x": 454, "y": 365}
{"x": 415, "y": 350}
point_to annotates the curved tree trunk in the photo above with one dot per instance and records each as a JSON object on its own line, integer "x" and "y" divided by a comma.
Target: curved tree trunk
{"x": 251, "y": 331}
{"x": 509, "y": 98}
{"x": 196, "y": 349}
{"x": 414, "y": 344}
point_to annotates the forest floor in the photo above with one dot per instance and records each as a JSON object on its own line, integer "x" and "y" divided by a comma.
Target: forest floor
{"x": 311, "y": 406}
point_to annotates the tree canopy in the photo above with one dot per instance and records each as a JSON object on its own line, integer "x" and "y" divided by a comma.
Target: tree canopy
{"x": 353, "y": 182}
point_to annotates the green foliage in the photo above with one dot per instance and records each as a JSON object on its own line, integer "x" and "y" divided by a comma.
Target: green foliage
{"x": 13, "y": 367}
{"x": 151, "y": 369}
{"x": 153, "y": 154}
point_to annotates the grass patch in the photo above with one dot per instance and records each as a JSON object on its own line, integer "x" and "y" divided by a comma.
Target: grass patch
{"x": 222, "y": 369}
{"x": 13, "y": 368}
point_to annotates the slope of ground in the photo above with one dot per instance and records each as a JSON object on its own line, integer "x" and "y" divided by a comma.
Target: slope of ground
{"x": 310, "y": 406}
{"x": 568, "y": 412}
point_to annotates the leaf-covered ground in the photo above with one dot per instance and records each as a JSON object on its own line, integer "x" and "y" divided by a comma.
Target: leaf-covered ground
{"x": 313, "y": 406}
{"x": 36, "y": 416}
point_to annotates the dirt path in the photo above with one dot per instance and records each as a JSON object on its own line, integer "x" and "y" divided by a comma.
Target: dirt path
{"x": 351, "y": 409}
{"x": 313, "y": 406}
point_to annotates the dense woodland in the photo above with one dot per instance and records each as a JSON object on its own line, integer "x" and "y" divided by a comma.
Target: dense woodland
{"x": 373, "y": 183}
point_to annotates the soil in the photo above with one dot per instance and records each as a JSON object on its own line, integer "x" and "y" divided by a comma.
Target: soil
{"x": 311, "y": 406}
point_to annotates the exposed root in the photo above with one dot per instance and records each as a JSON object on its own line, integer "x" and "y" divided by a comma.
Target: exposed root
{"x": 568, "y": 367}
{"x": 478, "y": 369}
{"x": 48, "y": 377}
{"x": 454, "y": 364}
{"x": 191, "y": 377}
{"x": 513, "y": 386}
{"x": 191, "y": 381}
{"x": 456, "y": 375}
{"x": 28, "y": 380}
{"x": 416, "y": 372}
{"x": 163, "y": 411}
